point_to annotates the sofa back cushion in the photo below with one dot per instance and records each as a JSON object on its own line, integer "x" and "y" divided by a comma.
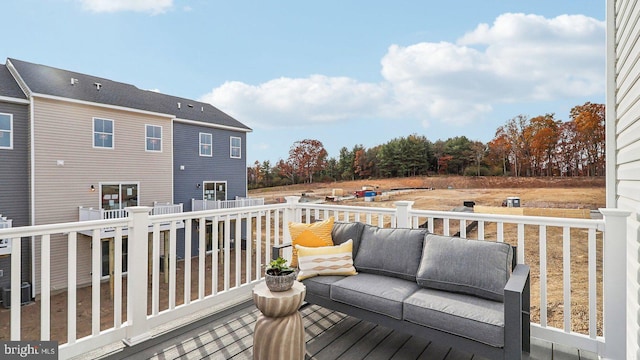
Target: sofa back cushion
{"x": 390, "y": 251}
{"x": 345, "y": 231}
{"x": 474, "y": 267}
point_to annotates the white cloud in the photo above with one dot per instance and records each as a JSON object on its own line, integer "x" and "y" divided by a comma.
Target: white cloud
{"x": 518, "y": 58}
{"x": 287, "y": 101}
{"x": 149, "y": 6}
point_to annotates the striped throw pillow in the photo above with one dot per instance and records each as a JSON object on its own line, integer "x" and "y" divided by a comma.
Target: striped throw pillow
{"x": 325, "y": 260}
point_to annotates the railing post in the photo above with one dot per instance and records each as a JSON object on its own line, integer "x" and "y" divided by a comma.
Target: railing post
{"x": 290, "y": 214}
{"x": 614, "y": 272}
{"x": 137, "y": 326}
{"x": 403, "y": 219}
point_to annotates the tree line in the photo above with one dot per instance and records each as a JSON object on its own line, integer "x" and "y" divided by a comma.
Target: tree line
{"x": 523, "y": 146}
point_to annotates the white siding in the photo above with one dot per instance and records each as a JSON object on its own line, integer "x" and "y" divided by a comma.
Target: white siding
{"x": 623, "y": 141}
{"x": 64, "y": 131}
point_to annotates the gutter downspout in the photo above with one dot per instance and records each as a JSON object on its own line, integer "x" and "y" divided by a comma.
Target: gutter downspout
{"x": 32, "y": 179}
{"x": 611, "y": 107}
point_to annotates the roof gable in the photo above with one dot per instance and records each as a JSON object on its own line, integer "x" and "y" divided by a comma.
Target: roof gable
{"x": 8, "y": 85}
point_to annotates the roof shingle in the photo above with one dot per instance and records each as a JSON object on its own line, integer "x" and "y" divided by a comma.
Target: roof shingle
{"x": 46, "y": 80}
{"x": 8, "y": 85}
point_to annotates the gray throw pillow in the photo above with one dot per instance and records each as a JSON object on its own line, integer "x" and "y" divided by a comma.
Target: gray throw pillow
{"x": 390, "y": 251}
{"x": 343, "y": 231}
{"x": 474, "y": 267}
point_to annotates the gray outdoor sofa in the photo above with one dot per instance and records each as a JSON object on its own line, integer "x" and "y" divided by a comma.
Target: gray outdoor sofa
{"x": 467, "y": 294}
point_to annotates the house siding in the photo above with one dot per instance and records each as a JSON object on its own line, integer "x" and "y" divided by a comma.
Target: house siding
{"x": 14, "y": 186}
{"x": 219, "y": 167}
{"x": 64, "y": 131}
{"x": 197, "y": 169}
{"x": 623, "y": 141}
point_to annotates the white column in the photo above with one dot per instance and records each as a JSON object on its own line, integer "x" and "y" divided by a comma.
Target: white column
{"x": 614, "y": 269}
{"x": 290, "y": 215}
{"x": 16, "y": 291}
{"x": 137, "y": 326}
{"x": 403, "y": 208}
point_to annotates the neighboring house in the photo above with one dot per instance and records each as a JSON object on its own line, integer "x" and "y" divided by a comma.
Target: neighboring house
{"x": 209, "y": 164}
{"x": 623, "y": 145}
{"x": 99, "y": 146}
{"x": 14, "y": 170}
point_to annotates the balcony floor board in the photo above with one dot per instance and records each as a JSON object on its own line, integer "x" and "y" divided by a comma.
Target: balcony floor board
{"x": 329, "y": 335}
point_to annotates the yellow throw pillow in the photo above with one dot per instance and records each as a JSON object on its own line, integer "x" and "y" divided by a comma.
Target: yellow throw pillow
{"x": 310, "y": 235}
{"x": 325, "y": 260}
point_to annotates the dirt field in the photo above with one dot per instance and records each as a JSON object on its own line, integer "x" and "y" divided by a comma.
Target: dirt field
{"x": 450, "y": 192}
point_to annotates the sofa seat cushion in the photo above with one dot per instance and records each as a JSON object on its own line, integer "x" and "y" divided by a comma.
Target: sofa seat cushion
{"x": 473, "y": 267}
{"x": 468, "y": 316}
{"x": 321, "y": 285}
{"x": 376, "y": 293}
{"x": 390, "y": 251}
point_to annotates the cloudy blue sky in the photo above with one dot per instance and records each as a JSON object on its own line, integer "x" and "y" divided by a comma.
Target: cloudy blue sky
{"x": 342, "y": 72}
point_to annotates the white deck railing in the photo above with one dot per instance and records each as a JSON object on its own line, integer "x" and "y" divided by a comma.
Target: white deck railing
{"x": 198, "y": 205}
{"x": 5, "y": 244}
{"x": 220, "y": 281}
{"x": 88, "y": 213}
{"x": 166, "y": 208}
{"x": 4, "y": 222}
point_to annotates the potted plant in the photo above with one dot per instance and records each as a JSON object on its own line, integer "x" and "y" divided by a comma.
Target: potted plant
{"x": 279, "y": 276}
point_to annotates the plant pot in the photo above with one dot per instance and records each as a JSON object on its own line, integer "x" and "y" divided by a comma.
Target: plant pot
{"x": 277, "y": 283}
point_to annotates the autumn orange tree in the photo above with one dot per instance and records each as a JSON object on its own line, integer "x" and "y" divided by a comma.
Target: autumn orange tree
{"x": 589, "y": 122}
{"x": 518, "y": 138}
{"x": 307, "y": 157}
{"x": 568, "y": 155}
{"x": 498, "y": 151}
{"x": 543, "y": 133}
{"x": 366, "y": 162}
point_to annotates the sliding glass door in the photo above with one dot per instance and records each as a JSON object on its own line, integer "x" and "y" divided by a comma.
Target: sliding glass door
{"x": 119, "y": 196}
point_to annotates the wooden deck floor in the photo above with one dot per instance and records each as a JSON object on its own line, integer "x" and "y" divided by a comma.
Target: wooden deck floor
{"x": 329, "y": 335}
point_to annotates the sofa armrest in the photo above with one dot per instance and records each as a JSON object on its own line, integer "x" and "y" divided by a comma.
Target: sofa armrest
{"x": 516, "y": 312}
{"x": 275, "y": 249}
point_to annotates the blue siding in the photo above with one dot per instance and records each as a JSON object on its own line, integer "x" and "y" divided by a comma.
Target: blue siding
{"x": 197, "y": 169}
{"x": 14, "y": 185}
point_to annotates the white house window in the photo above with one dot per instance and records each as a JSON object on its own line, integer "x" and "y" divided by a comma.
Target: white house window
{"x": 206, "y": 144}
{"x": 6, "y": 131}
{"x": 153, "y": 137}
{"x": 102, "y": 133}
{"x": 236, "y": 147}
